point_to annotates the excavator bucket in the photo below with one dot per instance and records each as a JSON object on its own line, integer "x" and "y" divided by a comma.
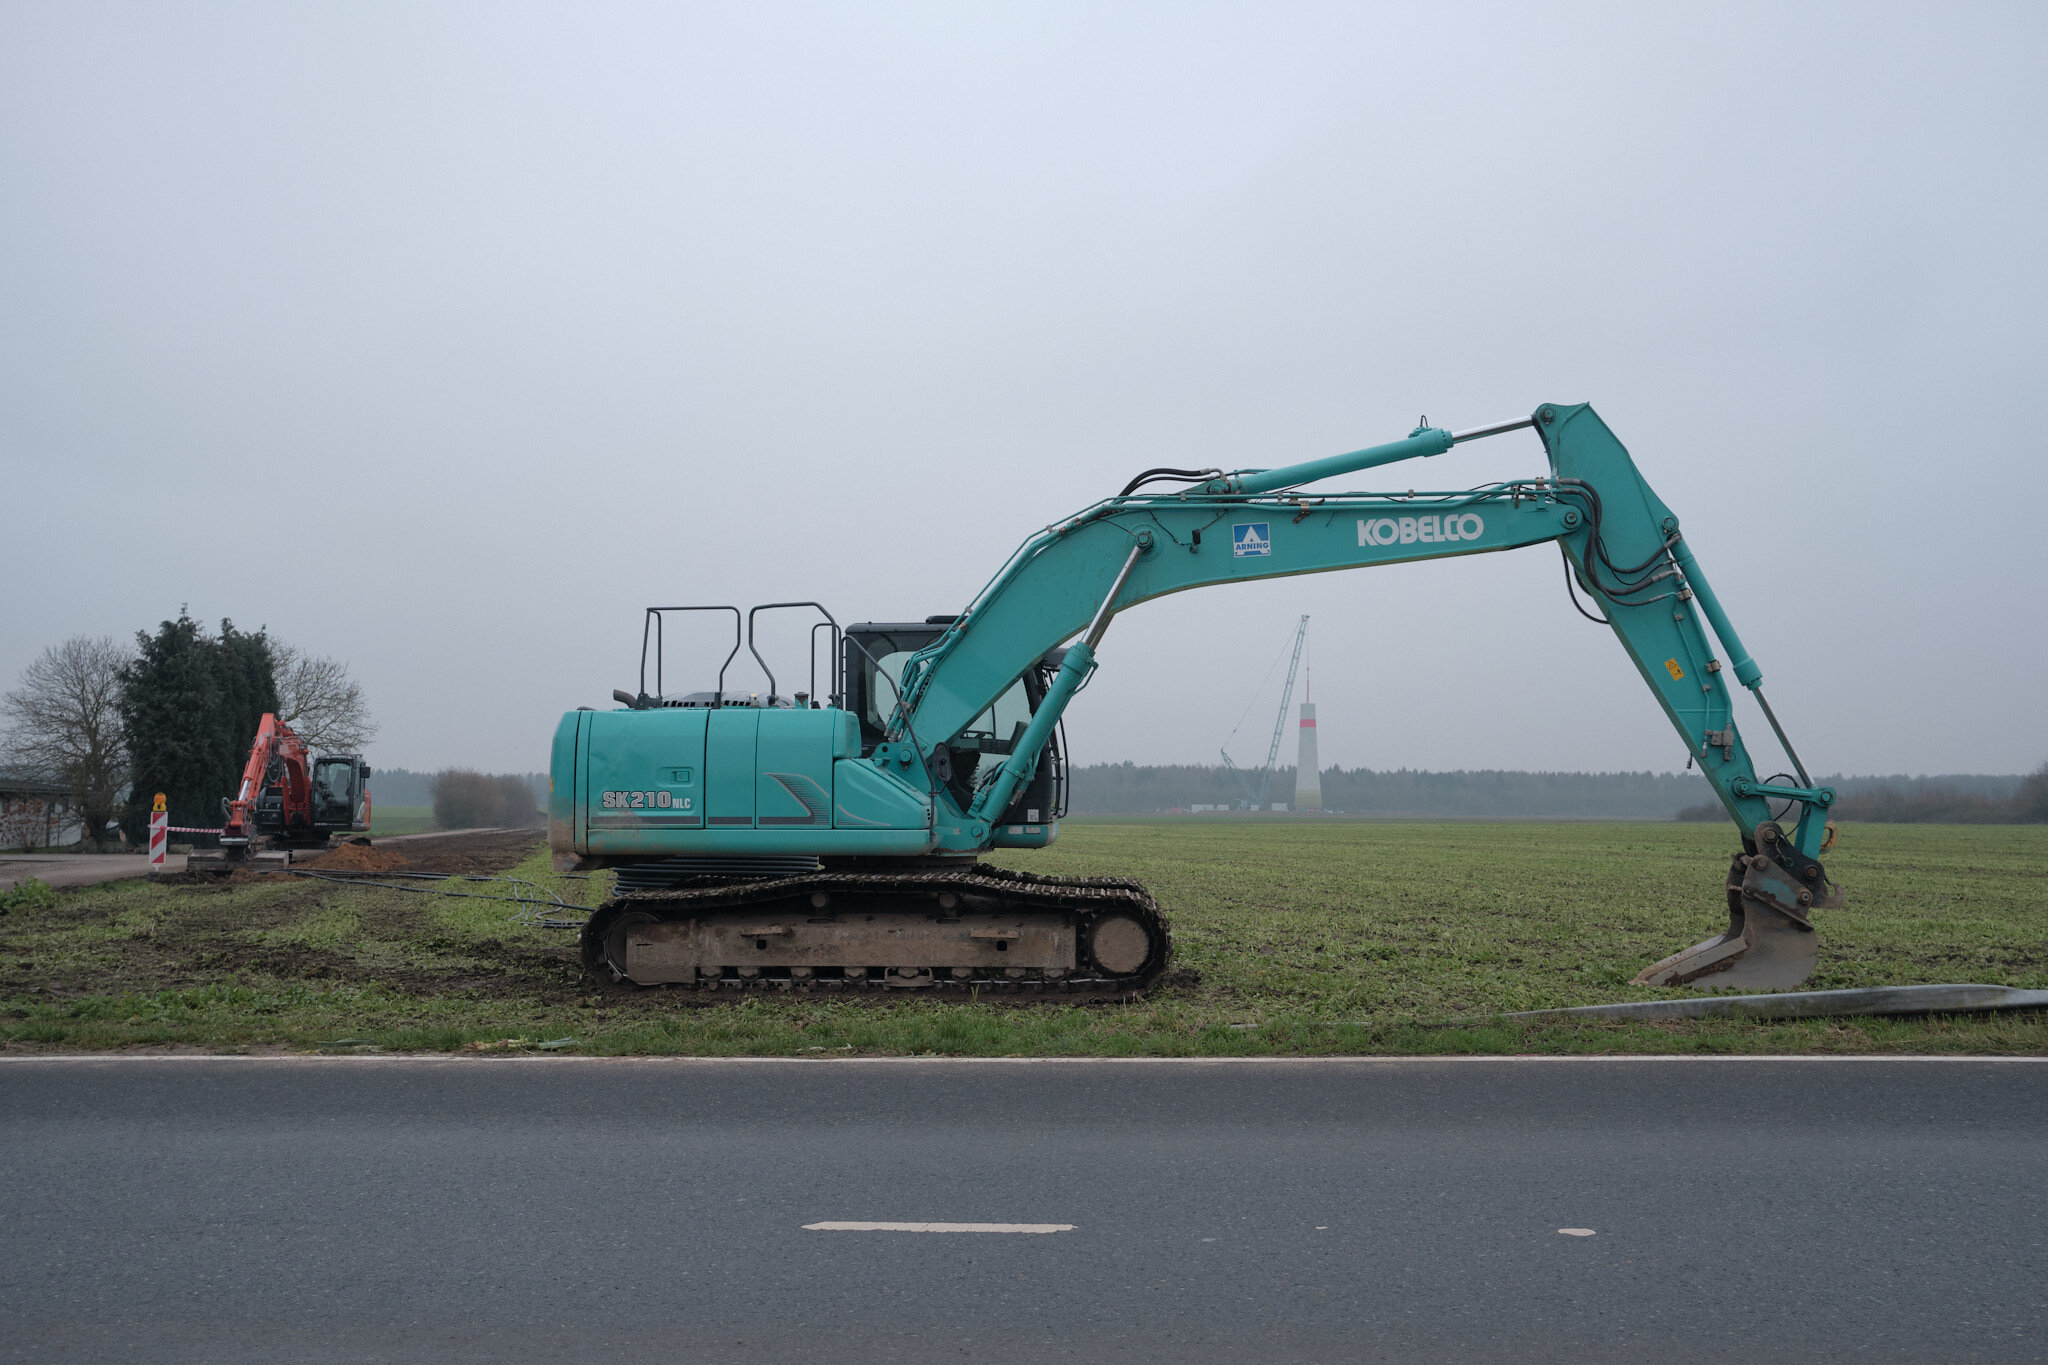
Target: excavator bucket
{"x": 1770, "y": 944}
{"x": 217, "y": 861}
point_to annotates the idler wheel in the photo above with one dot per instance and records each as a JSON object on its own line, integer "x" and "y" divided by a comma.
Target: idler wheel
{"x": 1119, "y": 944}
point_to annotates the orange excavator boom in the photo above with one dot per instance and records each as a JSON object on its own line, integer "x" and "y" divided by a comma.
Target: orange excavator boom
{"x": 274, "y": 741}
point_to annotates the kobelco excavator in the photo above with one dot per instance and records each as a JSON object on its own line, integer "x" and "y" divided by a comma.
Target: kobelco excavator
{"x": 833, "y": 842}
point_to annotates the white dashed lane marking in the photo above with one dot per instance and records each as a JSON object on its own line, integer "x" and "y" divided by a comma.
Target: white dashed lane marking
{"x": 1576, "y": 1232}
{"x": 938, "y": 1227}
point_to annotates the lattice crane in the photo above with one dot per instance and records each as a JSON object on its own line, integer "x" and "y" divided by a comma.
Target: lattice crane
{"x": 1258, "y": 801}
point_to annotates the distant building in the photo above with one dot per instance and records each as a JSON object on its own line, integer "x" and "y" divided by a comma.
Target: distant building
{"x": 34, "y": 813}
{"x": 1308, "y": 781}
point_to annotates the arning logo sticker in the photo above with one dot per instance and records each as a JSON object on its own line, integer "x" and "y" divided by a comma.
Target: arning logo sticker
{"x": 1249, "y": 539}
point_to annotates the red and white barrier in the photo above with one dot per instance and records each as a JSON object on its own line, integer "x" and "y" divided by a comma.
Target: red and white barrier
{"x": 159, "y": 832}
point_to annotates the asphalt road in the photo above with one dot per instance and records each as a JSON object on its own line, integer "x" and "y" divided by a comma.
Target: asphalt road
{"x": 556, "y": 1209}
{"x": 90, "y": 869}
{"x": 79, "y": 869}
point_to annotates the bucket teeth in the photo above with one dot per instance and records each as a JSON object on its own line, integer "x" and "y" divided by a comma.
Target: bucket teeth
{"x": 1770, "y": 944}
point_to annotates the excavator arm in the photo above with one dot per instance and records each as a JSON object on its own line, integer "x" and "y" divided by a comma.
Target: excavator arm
{"x": 274, "y": 740}
{"x": 1623, "y": 550}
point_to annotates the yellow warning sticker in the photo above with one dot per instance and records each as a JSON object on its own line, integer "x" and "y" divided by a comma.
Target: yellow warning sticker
{"x": 1671, "y": 666}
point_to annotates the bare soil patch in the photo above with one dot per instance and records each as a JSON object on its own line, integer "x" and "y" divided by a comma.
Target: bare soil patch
{"x": 360, "y": 858}
{"x": 492, "y": 852}
{"x": 263, "y": 928}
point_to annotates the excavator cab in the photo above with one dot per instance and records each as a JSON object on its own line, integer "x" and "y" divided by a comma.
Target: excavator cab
{"x": 340, "y": 784}
{"x": 302, "y": 806}
{"x": 874, "y": 654}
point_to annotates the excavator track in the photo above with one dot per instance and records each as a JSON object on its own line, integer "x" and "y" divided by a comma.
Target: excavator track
{"x": 979, "y": 929}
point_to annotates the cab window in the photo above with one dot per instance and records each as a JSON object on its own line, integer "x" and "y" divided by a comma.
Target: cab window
{"x": 997, "y": 730}
{"x": 884, "y": 672}
{"x": 333, "y": 784}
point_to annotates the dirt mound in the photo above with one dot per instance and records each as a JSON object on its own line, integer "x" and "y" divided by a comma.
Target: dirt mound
{"x": 359, "y": 858}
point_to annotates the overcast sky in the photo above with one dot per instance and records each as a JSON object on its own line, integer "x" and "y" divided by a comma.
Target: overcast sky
{"x": 444, "y": 338}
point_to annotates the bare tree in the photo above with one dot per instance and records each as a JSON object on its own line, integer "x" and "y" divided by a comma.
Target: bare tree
{"x": 2033, "y": 795}
{"x": 64, "y": 723}
{"x": 319, "y": 700}
{"x": 464, "y": 799}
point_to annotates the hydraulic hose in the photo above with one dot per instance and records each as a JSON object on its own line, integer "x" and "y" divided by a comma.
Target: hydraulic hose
{"x": 1162, "y": 473}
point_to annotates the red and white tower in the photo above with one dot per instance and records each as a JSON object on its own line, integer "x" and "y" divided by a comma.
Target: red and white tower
{"x": 1308, "y": 777}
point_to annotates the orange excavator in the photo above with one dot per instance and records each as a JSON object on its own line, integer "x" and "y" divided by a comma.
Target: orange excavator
{"x": 288, "y": 798}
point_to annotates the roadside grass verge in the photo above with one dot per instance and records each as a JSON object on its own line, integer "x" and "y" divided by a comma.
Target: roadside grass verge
{"x": 1314, "y": 938}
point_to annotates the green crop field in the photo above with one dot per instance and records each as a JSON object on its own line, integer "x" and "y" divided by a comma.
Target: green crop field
{"x": 1291, "y": 937}
{"x": 389, "y": 820}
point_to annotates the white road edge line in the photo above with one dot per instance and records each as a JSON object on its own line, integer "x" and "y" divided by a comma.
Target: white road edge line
{"x": 1359, "y": 1061}
{"x": 938, "y": 1227}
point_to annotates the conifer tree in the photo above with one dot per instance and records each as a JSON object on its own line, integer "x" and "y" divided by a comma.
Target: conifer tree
{"x": 191, "y": 704}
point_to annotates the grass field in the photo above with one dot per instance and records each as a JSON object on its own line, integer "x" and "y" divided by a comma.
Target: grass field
{"x": 1290, "y": 937}
{"x": 388, "y": 820}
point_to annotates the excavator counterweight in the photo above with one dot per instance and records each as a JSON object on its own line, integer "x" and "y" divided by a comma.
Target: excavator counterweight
{"x": 831, "y": 840}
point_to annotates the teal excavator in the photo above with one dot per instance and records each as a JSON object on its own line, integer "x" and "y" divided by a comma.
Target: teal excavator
{"x": 833, "y": 841}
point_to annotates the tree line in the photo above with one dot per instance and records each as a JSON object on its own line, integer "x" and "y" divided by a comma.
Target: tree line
{"x": 464, "y": 799}
{"x": 1928, "y": 801}
{"x": 1129, "y": 788}
{"x": 405, "y": 787}
{"x": 175, "y": 713}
